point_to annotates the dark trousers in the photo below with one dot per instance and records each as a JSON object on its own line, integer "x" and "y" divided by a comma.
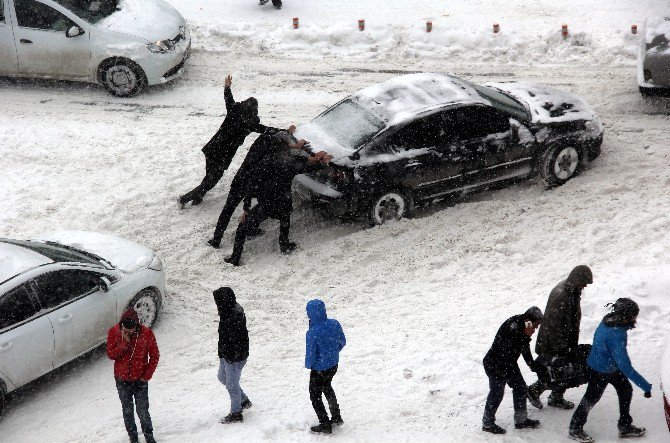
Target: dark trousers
{"x": 257, "y": 215}
{"x": 214, "y": 170}
{"x": 320, "y": 384}
{"x": 539, "y": 387}
{"x": 139, "y": 391}
{"x": 497, "y": 392}
{"x": 598, "y": 381}
{"x": 235, "y": 197}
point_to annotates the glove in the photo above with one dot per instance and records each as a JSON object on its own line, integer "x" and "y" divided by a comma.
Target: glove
{"x": 535, "y": 367}
{"x": 647, "y": 394}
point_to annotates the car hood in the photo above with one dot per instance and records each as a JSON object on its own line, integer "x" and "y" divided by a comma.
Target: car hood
{"x": 151, "y": 20}
{"x": 123, "y": 254}
{"x": 320, "y": 140}
{"x": 547, "y": 104}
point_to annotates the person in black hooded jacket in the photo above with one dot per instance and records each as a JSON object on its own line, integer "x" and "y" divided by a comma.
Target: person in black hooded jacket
{"x": 500, "y": 363}
{"x": 233, "y": 351}
{"x": 241, "y": 120}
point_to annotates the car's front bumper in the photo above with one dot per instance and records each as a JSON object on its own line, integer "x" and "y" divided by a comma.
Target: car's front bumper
{"x": 163, "y": 67}
{"x": 324, "y": 196}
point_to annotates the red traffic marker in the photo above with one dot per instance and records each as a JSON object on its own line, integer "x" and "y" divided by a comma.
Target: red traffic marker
{"x": 361, "y": 24}
{"x": 633, "y": 29}
{"x": 496, "y": 28}
{"x": 564, "y": 31}
{"x": 429, "y": 26}
{"x": 296, "y": 23}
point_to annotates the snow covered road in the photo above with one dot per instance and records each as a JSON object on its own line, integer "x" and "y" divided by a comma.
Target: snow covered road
{"x": 420, "y": 300}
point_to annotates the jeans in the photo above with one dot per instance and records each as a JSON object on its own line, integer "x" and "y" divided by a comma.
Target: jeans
{"x": 497, "y": 392}
{"x": 229, "y": 375}
{"x": 139, "y": 390}
{"x": 320, "y": 383}
{"x": 213, "y": 172}
{"x": 598, "y": 381}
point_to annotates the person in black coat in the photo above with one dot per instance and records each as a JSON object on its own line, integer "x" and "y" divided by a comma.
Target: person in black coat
{"x": 241, "y": 120}
{"x": 500, "y": 364}
{"x": 270, "y": 184}
{"x": 233, "y": 351}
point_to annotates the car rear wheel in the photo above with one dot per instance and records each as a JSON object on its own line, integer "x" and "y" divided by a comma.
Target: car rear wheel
{"x": 559, "y": 164}
{"x": 145, "y": 304}
{"x": 388, "y": 207}
{"x": 122, "y": 77}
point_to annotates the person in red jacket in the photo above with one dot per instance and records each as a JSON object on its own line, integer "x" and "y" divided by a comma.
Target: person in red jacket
{"x": 133, "y": 348}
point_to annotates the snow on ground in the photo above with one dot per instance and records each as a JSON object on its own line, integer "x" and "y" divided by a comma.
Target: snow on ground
{"x": 420, "y": 300}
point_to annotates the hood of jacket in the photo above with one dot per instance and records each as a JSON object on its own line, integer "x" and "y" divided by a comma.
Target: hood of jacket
{"x": 316, "y": 312}
{"x": 130, "y": 314}
{"x": 580, "y": 276}
{"x": 225, "y": 300}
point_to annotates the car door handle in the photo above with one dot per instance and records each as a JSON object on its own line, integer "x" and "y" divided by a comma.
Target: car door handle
{"x": 25, "y": 40}
{"x": 64, "y": 319}
{"x": 6, "y": 347}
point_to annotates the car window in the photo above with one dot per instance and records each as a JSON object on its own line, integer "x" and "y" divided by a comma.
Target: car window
{"x": 16, "y": 306}
{"x": 480, "y": 121}
{"x": 56, "y": 252}
{"x": 90, "y": 10}
{"x": 428, "y": 132}
{"x": 350, "y": 124}
{"x": 33, "y": 14}
{"x": 59, "y": 287}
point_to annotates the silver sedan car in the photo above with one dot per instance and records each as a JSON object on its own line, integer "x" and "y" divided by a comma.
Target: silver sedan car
{"x": 654, "y": 57}
{"x": 60, "y": 294}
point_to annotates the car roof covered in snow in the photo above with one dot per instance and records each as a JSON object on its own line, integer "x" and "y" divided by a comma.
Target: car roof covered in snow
{"x": 15, "y": 259}
{"x": 402, "y": 97}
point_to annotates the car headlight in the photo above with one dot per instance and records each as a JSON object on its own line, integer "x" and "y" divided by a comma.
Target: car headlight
{"x": 161, "y": 46}
{"x": 156, "y": 263}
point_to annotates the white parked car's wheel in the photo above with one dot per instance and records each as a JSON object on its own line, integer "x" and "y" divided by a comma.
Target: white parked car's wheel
{"x": 389, "y": 206}
{"x": 122, "y": 77}
{"x": 146, "y": 306}
{"x": 559, "y": 164}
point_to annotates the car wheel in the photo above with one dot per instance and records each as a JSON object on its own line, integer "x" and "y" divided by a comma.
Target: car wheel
{"x": 388, "y": 206}
{"x": 3, "y": 397}
{"x": 145, "y": 304}
{"x": 122, "y": 77}
{"x": 559, "y": 164}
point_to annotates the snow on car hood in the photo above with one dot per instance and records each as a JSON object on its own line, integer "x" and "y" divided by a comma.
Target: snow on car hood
{"x": 151, "y": 20}
{"x": 319, "y": 140}
{"x": 123, "y": 254}
{"x": 547, "y": 104}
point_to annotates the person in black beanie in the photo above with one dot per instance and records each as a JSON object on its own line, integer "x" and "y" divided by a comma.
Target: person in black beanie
{"x": 233, "y": 351}
{"x": 500, "y": 364}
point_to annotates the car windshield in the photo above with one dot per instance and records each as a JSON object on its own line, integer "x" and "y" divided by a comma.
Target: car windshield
{"x": 57, "y": 253}
{"x": 90, "y": 10}
{"x": 349, "y": 124}
{"x": 504, "y": 102}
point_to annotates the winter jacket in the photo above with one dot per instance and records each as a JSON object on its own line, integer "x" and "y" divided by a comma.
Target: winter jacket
{"x": 509, "y": 343}
{"x": 609, "y": 352}
{"x": 325, "y": 338}
{"x": 559, "y": 332}
{"x": 134, "y": 360}
{"x": 241, "y": 120}
{"x": 233, "y": 333}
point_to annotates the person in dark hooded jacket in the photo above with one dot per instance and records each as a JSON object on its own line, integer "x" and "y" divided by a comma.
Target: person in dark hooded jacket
{"x": 559, "y": 333}
{"x": 610, "y": 364}
{"x": 241, "y": 120}
{"x": 233, "y": 351}
{"x": 501, "y": 367}
{"x": 324, "y": 341}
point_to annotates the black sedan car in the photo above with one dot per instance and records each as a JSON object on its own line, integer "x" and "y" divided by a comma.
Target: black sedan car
{"x": 422, "y": 137}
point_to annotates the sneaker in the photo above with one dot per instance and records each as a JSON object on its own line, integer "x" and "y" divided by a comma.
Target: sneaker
{"x": 196, "y": 201}
{"x": 246, "y": 404}
{"x": 287, "y": 248}
{"x": 580, "y": 436}
{"x": 631, "y": 431}
{"x": 232, "y": 418}
{"x": 495, "y": 429}
{"x": 181, "y": 202}
{"x": 277, "y": 6}
{"x": 323, "y": 428}
{"x": 560, "y": 403}
{"x": 232, "y": 261}
{"x": 216, "y": 244}
{"x": 534, "y": 399}
{"x": 528, "y": 424}
{"x": 336, "y": 421}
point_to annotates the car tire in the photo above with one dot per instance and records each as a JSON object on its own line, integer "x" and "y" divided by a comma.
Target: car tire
{"x": 122, "y": 77}
{"x": 389, "y": 206}
{"x": 3, "y": 398}
{"x": 146, "y": 304}
{"x": 560, "y": 163}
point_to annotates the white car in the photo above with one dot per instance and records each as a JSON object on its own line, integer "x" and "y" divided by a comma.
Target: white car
{"x": 122, "y": 44}
{"x": 60, "y": 294}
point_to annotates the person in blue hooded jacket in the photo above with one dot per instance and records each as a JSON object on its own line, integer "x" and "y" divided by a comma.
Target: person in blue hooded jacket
{"x": 325, "y": 339}
{"x": 610, "y": 364}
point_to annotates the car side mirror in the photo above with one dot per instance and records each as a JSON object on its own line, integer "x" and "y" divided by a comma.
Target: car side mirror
{"x": 74, "y": 31}
{"x": 104, "y": 284}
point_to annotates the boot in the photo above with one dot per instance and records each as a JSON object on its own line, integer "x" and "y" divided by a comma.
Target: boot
{"x": 495, "y": 429}
{"x": 631, "y": 431}
{"x": 560, "y": 403}
{"x": 336, "y": 421}
{"x": 196, "y": 201}
{"x": 214, "y": 243}
{"x": 181, "y": 201}
{"x": 232, "y": 260}
{"x": 323, "y": 428}
{"x": 288, "y": 247}
{"x": 233, "y": 417}
{"x": 149, "y": 438}
{"x": 528, "y": 424}
{"x": 246, "y": 404}
{"x": 534, "y": 398}
{"x": 580, "y": 436}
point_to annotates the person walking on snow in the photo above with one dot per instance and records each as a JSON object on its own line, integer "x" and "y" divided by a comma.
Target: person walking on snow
{"x": 500, "y": 363}
{"x": 325, "y": 339}
{"x": 610, "y": 364}
{"x": 241, "y": 120}
{"x": 133, "y": 348}
{"x": 558, "y": 335}
{"x": 233, "y": 351}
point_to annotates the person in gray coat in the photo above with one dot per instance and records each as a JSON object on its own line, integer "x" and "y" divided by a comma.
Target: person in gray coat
{"x": 559, "y": 333}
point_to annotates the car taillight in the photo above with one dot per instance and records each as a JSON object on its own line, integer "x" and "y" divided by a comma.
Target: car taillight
{"x": 647, "y": 75}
